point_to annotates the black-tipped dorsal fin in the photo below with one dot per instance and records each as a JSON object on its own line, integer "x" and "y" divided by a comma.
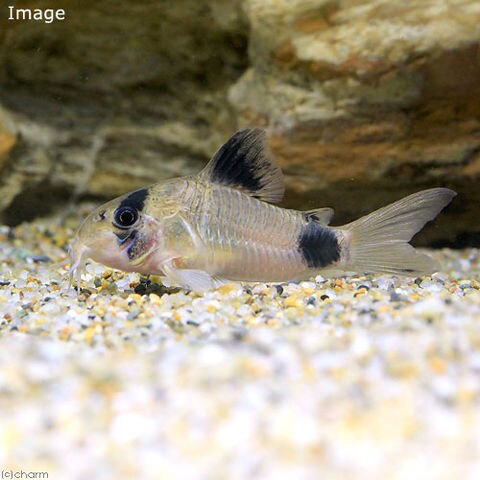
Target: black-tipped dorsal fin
{"x": 244, "y": 162}
{"x": 320, "y": 215}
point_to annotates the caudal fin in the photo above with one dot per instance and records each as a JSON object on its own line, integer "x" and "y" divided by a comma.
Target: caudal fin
{"x": 378, "y": 242}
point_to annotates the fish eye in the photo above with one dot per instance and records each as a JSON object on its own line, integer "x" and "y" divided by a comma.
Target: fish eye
{"x": 125, "y": 217}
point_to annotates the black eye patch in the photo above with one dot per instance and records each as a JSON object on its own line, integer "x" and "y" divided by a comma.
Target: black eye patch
{"x": 135, "y": 199}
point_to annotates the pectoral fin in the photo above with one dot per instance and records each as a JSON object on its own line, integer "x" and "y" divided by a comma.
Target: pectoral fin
{"x": 196, "y": 280}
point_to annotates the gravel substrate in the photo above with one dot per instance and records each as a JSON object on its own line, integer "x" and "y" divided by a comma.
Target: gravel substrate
{"x": 369, "y": 377}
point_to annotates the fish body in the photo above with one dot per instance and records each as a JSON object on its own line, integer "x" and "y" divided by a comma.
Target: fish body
{"x": 231, "y": 235}
{"x": 222, "y": 225}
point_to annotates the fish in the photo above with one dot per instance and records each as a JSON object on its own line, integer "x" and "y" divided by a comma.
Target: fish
{"x": 222, "y": 225}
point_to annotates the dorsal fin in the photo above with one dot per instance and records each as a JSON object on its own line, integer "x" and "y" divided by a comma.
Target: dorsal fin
{"x": 320, "y": 215}
{"x": 244, "y": 163}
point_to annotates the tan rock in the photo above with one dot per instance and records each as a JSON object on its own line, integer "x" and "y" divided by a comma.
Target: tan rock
{"x": 7, "y": 138}
{"x": 368, "y": 100}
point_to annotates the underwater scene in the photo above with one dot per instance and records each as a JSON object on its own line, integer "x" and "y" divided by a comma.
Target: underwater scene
{"x": 240, "y": 239}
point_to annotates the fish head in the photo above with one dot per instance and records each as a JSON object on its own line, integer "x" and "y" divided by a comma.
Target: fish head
{"x": 118, "y": 234}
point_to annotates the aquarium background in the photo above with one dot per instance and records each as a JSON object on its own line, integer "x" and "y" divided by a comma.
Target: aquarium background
{"x": 364, "y": 101}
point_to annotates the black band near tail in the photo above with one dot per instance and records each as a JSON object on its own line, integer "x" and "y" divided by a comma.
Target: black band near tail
{"x": 318, "y": 245}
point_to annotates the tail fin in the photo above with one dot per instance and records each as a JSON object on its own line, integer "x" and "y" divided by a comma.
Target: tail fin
{"x": 378, "y": 242}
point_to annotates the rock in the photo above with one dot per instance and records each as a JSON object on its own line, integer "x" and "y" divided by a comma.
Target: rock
{"x": 363, "y": 102}
{"x": 368, "y": 101}
{"x": 101, "y": 112}
{"x": 7, "y": 138}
